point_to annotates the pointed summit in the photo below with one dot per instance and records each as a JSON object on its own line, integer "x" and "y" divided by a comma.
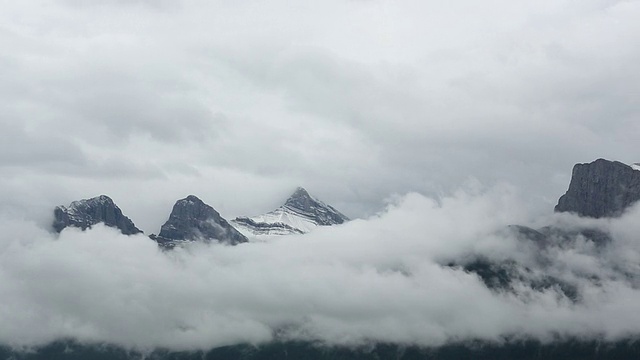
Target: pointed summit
{"x": 191, "y": 219}
{"x": 300, "y": 214}
{"x": 299, "y": 199}
{"x": 322, "y": 214}
{"x": 300, "y": 192}
{"x": 88, "y": 212}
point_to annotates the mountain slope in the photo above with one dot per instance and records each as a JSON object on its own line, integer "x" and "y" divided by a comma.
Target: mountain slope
{"x": 191, "y": 220}
{"x": 300, "y": 214}
{"x": 88, "y": 212}
{"x": 599, "y": 189}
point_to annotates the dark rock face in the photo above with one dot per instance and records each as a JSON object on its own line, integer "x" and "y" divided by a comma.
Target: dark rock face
{"x": 191, "y": 219}
{"x": 88, "y": 212}
{"x": 600, "y": 189}
{"x": 322, "y": 214}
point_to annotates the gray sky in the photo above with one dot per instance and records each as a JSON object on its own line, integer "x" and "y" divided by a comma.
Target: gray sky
{"x": 240, "y": 102}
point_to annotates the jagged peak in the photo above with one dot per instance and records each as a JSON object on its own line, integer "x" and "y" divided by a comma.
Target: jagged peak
{"x": 192, "y": 199}
{"x": 102, "y": 198}
{"x": 192, "y": 219}
{"x": 604, "y": 162}
{"x": 88, "y": 212}
{"x": 194, "y": 203}
{"x": 301, "y": 199}
{"x": 97, "y": 200}
{"x": 300, "y": 196}
{"x": 300, "y": 192}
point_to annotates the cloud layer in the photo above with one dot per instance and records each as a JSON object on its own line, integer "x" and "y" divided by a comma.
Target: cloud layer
{"x": 381, "y": 279}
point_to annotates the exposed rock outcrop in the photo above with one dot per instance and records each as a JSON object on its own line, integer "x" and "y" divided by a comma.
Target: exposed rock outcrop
{"x": 601, "y": 189}
{"x": 193, "y": 220}
{"x": 321, "y": 213}
{"x": 88, "y": 212}
{"x": 554, "y": 235}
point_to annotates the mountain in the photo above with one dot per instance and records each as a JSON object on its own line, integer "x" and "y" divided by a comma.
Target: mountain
{"x": 191, "y": 220}
{"x": 598, "y": 189}
{"x": 601, "y": 188}
{"x": 88, "y": 212}
{"x": 300, "y": 214}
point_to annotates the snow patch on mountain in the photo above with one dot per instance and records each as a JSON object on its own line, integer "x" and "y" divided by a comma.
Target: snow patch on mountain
{"x": 88, "y": 212}
{"x": 300, "y": 214}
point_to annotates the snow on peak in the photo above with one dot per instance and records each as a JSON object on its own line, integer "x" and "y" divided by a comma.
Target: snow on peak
{"x": 301, "y": 213}
{"x": 81, "y": 205}
{"x": 88, "y": 212}
{"x": 191, "y": 199}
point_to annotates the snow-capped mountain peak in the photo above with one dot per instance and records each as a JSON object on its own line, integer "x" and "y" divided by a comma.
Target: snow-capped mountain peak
{"x": 78, "y": 206}
{"x": 300, "y": 214}
{"x": 88, "y": 212}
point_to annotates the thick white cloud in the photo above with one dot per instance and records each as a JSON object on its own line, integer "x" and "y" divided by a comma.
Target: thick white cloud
{"x": 381, "y": 279}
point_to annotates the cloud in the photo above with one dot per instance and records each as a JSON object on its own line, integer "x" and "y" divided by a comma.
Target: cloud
{"x": 354, "y": 100}
{"x": 381, "y": 279}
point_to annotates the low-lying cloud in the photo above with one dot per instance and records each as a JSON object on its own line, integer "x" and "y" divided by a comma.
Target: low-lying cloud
{"x": 385, "y": 278}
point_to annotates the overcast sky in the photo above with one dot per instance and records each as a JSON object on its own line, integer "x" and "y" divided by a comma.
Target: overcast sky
{"x": 239, "y": 102}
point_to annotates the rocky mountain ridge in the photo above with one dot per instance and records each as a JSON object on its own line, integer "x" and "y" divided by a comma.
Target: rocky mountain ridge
{"x": 601, "y": 188}
{"x": 88, "y": 212}
{"x": 301, "y": 213}
{"x": 563, "y": 262}
{"x": 598, "y": 189}
{"x": 193, "y": 220}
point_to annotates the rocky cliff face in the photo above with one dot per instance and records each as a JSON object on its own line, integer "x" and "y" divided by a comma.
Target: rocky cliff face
{"x": 598, "y": 189}
{"x": 322, "y": 214}
{"x": 191, "y": 219}
{"x": 601, "y": 189}
{"x": 88, "y": 212}
{"x": 300, "y": 214}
